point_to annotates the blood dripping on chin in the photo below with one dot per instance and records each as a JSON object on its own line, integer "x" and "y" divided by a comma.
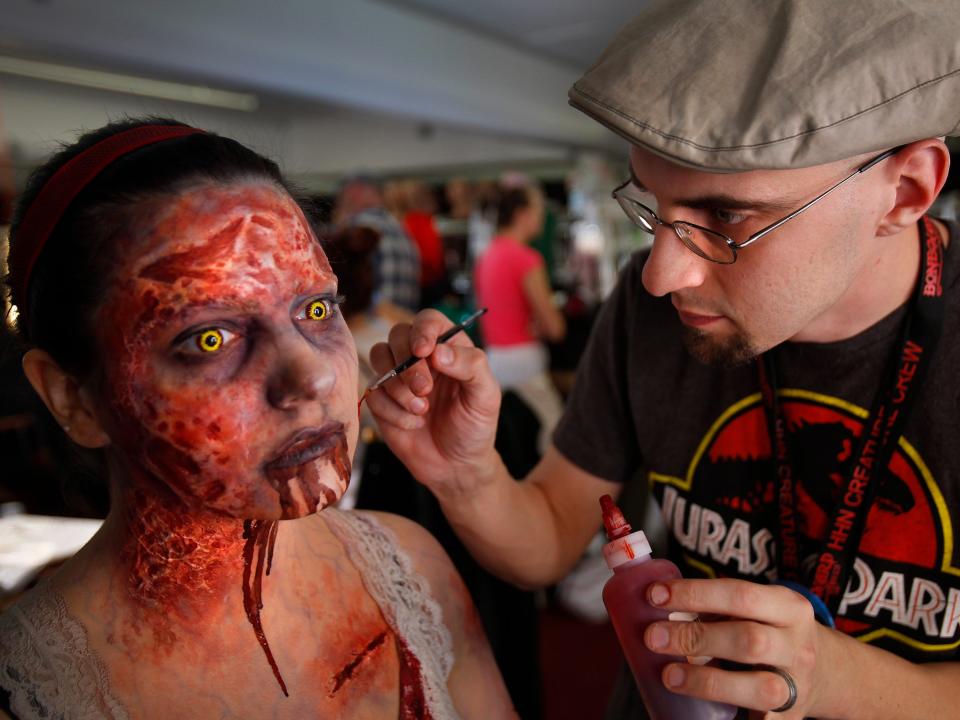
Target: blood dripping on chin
{"x": 260, "y": 537}
{"x": 306, "y": 476}
{"x": 340, "y": 459}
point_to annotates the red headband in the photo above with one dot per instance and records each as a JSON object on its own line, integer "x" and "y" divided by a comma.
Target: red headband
{"x": 60, "y": 190}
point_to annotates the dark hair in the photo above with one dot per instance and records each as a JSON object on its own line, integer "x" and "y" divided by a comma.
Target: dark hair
{"x": 69, "y": 273}
{"x": 350, "y": 252}
{"x": 512, "y": 201}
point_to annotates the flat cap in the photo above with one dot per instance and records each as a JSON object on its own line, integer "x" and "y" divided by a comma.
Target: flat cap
{"x": 732, "y": 85}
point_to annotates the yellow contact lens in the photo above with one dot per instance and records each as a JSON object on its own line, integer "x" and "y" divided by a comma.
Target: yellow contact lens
{"x": 210, "y": 340}
{"x": 318, "y": 310}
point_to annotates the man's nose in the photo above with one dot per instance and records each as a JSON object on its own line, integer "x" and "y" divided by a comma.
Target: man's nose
{"x": 301, "y": 373}
{"x": 671, "y": 265}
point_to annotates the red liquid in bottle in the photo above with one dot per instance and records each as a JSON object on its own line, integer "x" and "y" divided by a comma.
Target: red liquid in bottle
{"x": 625, "y": 596}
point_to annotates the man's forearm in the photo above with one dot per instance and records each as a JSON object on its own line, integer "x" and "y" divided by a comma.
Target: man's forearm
{"x": 507, "y": 526}
{"x": 868, "y": 683}
{"x": 532, "y": 532}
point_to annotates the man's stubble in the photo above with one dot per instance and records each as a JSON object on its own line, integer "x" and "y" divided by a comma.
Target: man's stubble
{"x": 728, "y": 353}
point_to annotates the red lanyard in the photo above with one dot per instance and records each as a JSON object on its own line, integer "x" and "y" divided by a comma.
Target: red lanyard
{"x": 904, "y": 374}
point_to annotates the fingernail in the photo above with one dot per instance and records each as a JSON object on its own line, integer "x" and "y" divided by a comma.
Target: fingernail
{"x": 444, "y": 355}
{"x": 675, "y": 676}
{"x": 658, "y": 594}
{"x": 658, "y": 637}
{"x": 418, "y": 405}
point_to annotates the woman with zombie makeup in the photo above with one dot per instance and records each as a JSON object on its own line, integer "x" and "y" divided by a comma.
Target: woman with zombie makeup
{"x": 183, "y": 321}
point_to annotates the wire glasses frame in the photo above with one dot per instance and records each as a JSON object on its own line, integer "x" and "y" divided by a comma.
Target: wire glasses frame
{"x": 710, "y": 244}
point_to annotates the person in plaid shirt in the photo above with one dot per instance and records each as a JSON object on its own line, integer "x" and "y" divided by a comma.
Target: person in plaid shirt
{"x": 397, "y": 261}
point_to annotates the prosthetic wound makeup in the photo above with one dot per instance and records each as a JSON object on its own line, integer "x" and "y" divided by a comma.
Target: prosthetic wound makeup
{"x": 227, "y": 365}
{"x": 229, "y": 379}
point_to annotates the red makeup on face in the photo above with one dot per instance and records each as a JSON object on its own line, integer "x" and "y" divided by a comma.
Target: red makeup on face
{"x": 229, "y": 374}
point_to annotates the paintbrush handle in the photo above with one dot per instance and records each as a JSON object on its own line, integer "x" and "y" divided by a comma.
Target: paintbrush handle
{"x": 413, "y": 359}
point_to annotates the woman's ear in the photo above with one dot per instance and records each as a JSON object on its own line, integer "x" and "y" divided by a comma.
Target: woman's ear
{"x": 63, "y": 396}
{"x": 919, "y": 171}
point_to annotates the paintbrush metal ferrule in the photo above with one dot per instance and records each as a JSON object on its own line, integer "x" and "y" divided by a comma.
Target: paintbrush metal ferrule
{"x": 382, "y": 379}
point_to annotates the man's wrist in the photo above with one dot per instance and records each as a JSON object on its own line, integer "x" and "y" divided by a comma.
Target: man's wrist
{"x": 472, "y": 485}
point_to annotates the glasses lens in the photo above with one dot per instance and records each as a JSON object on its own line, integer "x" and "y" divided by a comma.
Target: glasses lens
{"x": 705, "y": 243}
{"x": 640, "y": 214}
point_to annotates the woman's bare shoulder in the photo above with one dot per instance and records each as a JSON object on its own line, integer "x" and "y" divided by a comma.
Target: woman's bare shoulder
{"x": 430, "y": 561}
{"x": 474, "y": 682}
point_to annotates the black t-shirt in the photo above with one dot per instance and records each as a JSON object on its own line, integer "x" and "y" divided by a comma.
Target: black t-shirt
{"x": 642, "y": 404}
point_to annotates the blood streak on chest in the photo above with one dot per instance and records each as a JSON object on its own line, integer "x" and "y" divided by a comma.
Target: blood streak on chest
{"x": 348, "y": 670}
{"x": 412, "y": 696}
{"x": 260, "y": 536}
{"x": 413, "y": 702}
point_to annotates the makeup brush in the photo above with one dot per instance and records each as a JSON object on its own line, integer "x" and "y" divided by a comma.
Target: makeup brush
{"x": 413, "y": 359}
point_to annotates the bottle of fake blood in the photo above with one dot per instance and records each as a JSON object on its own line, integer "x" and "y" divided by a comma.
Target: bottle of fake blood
{"x": 625, "y": 595}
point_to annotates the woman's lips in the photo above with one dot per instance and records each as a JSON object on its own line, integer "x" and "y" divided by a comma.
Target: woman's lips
{"x": 295, "y": 470}
{"x": 306, "y": 445}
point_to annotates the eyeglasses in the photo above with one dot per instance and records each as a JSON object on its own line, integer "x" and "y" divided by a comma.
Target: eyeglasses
{"x": 710, "y": 244}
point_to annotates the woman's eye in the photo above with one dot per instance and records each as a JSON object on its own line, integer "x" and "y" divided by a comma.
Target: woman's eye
{"x": 208, "y": 341}
{"x": 321, "y": 308}
{"x": 318, "y": 310}
{"x": 727, "y": 217}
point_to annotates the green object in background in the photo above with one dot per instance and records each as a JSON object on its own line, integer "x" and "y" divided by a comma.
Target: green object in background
{"x": 546, "y": 241}
{"x": 457, "y": 312}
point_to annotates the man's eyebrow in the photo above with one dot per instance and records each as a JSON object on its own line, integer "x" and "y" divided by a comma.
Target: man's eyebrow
{"x": 729, "y": 202}
{"x": 726, "y": 202}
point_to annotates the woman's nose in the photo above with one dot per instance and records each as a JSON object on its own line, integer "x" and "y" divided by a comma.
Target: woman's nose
{"x": 301, "y": 375}
{"x": 671, "y": 265}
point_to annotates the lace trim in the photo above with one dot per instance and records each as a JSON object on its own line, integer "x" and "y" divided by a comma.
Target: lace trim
{"x": 47, "y": 666}
{"x": 404, "y": 599}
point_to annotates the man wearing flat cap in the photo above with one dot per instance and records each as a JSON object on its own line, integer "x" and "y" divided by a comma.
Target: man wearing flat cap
{"x": 781, "y": 367}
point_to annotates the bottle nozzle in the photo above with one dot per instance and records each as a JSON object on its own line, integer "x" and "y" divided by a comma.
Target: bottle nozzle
{"x": 613, "y": 520}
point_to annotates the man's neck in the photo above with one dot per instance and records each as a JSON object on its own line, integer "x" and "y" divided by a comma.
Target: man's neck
{"x": 885, "y": 282}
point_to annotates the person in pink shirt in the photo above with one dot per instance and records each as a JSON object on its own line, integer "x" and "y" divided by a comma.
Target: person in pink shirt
{"x": 511, "y": 281}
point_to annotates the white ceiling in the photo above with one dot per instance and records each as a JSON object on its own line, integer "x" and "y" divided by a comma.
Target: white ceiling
{"x": 500, "y": 66}
{"x": 572, "y": 31}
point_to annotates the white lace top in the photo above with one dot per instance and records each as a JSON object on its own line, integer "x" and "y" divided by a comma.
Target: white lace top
{"x": 50, "y": 672}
